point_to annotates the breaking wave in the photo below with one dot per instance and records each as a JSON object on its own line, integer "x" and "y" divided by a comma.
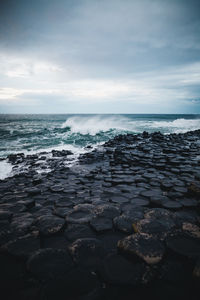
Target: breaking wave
{"x": 94, "y": 125}
{"x": 99, "y": 124}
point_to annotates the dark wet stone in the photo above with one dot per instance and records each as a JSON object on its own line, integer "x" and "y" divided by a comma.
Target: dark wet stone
{"x": 174, "y": 272}
{"x": 180, "y": 189}
{"x": 172, "y": 204}
{"x": 158, "y": 200}
{"x": 110, "y": 240}
{"x": 157, "y": 228}
{"x": 118, "y": 270}
{"x": 125, "y": 222}
{"x": 166, "y": 185}
{"x": 85, "y": 206}
{"x": 183, "y": 216}
{"x": 14, "y": 207}
{"x": 49, "y": 263}
{"x": 62, "y": 211}
{"x": 29, "y": 203}
{"x": 100, "y": 224}
{"x": 194, "y": 189}
{"x": 22, "y": 223}
{"x": 63, "y": 202}
{"x": 159, "y": 213}
{"x": 39, "y": 211}
{"x": 189, "y": 202}
{"x": 184, "y": 245}
{"x": 107, "y": 210}
{"x": 5, "y": 215}
{"x": 119, "y": 199}
{"x": 87, "y": 252}
{"x": 23, "y": 246}
{"x": 147, "y": 248}
{"x": 33, "y": 191}
{"x": 57, "y": 153}
{"x": 150, "y": 193}
{"x": 140, "y": 202}
{"x": 55, "y": 242}
{"x": 11, "y": 276}
{"x": 191, "y": 229}
{"x": 78, "y": 283}
{"x": 77, "y": 231}
{"x": 80, "y": 216}
{"x": 49, "y": 225}
{"x": 57, "y": 188}
{"x": 196, "y": 271}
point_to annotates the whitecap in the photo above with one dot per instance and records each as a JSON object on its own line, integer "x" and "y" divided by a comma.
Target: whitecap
{"x": 5, "y": 169}
{"x": 95, "y": 124}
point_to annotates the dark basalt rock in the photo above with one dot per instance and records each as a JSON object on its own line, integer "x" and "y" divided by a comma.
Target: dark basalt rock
{"x": 49, "y": 263}
{"x": 49, "y": 224}
{"x": 196, "y": 271}
{"x": 172, "y": 204}
{"x": 125, "y": 222}
{"x": 176, "y": 273}
{"x": 55, "y": 242}
{"x": 57, "y": 188}
{"x": 139, "y": 202}
{"x": 118, "y": 270}
{"x": 184, "y": 245}
{"x": 62, "y": 211}
{"x": 78, "y": 284}
{"x": 100, "y": 224}
{"x": 78, "y": 231}
{"x": 87, "y": 252}
{"x": 63, "y": 202}
{"x": 80, "y": 216}
{"x": 56, "y": 153}
{"x": 149, "y": 249}
{"x": 151, "y": 193}
{"x": 154, "y": 227}
{"x": 14, "y": 207}
{"x": 110, "y": 239}
{"x": 159, "y": 213}
{"x": 119, "y": 199}
{"x": 23, "y": 246}
{"x": 22, "y": 223}
{"x": 5, "y": 215}
{"x": 29, "y": 203}
{"x": 11, "y": 271}
{"x": 33, "y": 191}
{"x": 144, "y": 183}
{"x": 189, "y": 202}
{"x": 194, "y": 189}
{"x": 107, "y": 211}
{"x": 191, "y": 229}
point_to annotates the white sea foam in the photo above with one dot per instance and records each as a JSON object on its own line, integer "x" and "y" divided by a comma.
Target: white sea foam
{"x": 5, "y": 169}
{"x": 95, "y": 124}
{"x": 177, "y": 126}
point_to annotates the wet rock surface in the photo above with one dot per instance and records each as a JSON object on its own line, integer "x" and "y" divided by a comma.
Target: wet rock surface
{"x": 123, "y": 221}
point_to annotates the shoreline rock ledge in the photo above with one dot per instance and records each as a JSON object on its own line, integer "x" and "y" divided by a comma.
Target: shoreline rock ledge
{"x": 121, "y": 223}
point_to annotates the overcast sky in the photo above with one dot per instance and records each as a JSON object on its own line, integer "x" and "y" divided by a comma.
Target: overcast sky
{"x": 100, "y": 56}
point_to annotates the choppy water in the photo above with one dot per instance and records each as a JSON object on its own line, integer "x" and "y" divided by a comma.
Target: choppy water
{"x": 36, "y": 133}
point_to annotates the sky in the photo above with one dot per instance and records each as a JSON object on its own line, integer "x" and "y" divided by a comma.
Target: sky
{"x": 99, "y": 56}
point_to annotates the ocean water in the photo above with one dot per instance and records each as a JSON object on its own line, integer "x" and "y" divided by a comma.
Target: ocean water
{"x": 35, "y": 133}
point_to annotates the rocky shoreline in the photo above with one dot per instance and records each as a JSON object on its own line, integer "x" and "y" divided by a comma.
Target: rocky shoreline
{"x": 121, "y": 223}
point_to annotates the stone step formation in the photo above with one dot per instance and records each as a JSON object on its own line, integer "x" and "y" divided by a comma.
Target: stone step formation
{"x": 121, "y": 223}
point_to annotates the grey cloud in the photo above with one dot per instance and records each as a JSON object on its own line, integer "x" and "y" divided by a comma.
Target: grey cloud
{"x": 108, "y": 39}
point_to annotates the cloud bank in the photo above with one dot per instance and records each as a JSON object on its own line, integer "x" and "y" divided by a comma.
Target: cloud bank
{"x": 90, "y": 56}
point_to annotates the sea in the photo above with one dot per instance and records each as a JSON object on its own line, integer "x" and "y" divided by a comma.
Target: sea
{"x": 33, "y": 133}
